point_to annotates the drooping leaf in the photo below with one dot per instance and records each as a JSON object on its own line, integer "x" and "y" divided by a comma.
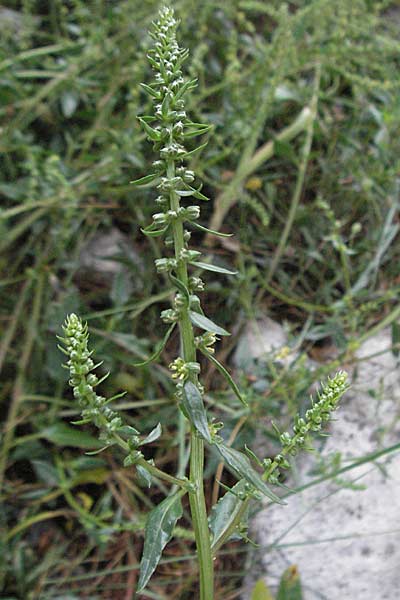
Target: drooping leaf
{"x": 225, "y": 510}
{"x": 159, "y": 527}
{"x": 214, "y": 268}
{"x": 159, "y": 349}
{"x": 194, "y": 407}
{"x": 240, "y": 464}
{"x": 206, "y": 230}
{"x": 154, "y": 232}
{"x": 153, "y": 435}
{"x": 145, "y": 180}
{"x": 261, "y": 592}
{"x": 61, "y": 434}
{"x": 226, "y": 375}
{"x": 290, "y": 585}
{"x": 206, "y": 323}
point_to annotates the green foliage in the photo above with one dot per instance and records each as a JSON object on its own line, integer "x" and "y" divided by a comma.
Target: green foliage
{"x": 70, "y": 85}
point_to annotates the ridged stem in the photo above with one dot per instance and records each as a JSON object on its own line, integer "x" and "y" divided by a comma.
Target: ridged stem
{"x": 196, "y": 497}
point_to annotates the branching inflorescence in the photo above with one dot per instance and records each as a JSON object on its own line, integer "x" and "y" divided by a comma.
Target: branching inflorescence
{"x": 169, "y": 128}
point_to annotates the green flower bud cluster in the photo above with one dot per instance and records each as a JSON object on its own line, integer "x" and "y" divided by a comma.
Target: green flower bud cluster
{"x": 83, "y": 380}
{"x": 314, "y": 419}
{"x": 168, "y": 128}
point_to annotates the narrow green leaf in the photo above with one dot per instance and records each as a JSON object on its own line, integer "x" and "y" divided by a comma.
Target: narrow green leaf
{"x": 188, "y": 85}
{"x": 290, "y": 585}
{"x": 206, "y": 230}
{"x": 226, "y": 375}
{"x": 150, "y": 90}
{"x": 196, "y": 129}
{"x": 153, "y": 435}
{"x": 194, "y": 407}
{"x": 159, "y": 527}
{"x": 241, "y": 466}
{"x": 225, "y": 510}
{"x": 153, "y": 134}
{"x": 155, "y": 232}
{"x": 194, "y": 151}
{"x": 159, "y": 349}
{"x": 145, "y": 180}
{"x": 206, "y": 323}
{"x": 197, "y": 194}
{"x": 214, "y": 268}
{"x": 261, "y": 592}
{"x": 61, "y": 434}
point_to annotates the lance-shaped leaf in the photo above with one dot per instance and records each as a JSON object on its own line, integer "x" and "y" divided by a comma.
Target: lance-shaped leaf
{"x": 154, "y": 232}
{"x": 206, "y": 323}
{"x": 145, "y": 180}
{"x": 151, "y": 91}
{"x": 240, "y": 464}
{"x": 159, "y": 527}
{"x": 206, "y": 230}
{"x": 194, "y": 151}
{"x": 225, "y": 511}
{"x": 214, "y": 268}
{"x": 159, "y": 349}
{"x": 153, "y": 435}
{"x": 188, "y": 85}
{"x": 225, "y": 374}
{"x": 193, "y": 405}
{"x": 152, "y": 133}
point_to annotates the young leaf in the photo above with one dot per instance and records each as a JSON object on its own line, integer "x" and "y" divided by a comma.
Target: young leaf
{"x": 206, "y": 230}
{"x": 194, "y": 151}
{"x": 206, "y": 323}
{"x": 290, "y": 585}
{"x": 160, "y": 524}
{"x": 145, "y": 180}
{"x": 214, "y": 268}
{"x": 150, "y": 90}
{"x": 226, "y": 375}
{"x": 153, "y": 435}
{"x": 225, "y": 510}
{"x": 159, "y": 349}
{"x": 241, "y": 466}
{"x": 153, "y": 134}
{"x": 194, "y": 408}
{"x": 261, "y": 592}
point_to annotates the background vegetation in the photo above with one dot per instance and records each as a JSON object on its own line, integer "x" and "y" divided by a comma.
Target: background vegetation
{"x": 315, "y": 217}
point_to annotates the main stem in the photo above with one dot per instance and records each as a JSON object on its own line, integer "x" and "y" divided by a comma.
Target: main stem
{"x": 196, "y": 498}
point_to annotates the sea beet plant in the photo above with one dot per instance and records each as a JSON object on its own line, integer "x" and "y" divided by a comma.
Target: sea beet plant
{"x": 169, "y": 128}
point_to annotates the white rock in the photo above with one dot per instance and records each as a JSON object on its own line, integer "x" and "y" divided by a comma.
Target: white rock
{"x": 345, "y": 543}
{"x": 259, "y": 338}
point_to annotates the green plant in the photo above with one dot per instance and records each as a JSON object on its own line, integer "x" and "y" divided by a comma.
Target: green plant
{"x": 169, "y": 128}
